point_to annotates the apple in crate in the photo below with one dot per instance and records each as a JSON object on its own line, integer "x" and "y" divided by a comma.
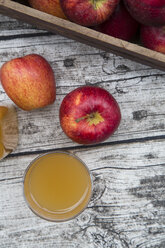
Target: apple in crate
{"x": 120, "y": 25}
{"x": 88, "y": 12}
{"x": 89, "y": 115}
{"x": 29, "y": 81}
{"x": 147, "y": 12}
{"x": 153, "y": 38}
{"x": 51, "y": 7}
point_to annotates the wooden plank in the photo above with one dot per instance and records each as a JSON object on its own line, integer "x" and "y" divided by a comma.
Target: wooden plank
{"x": 126, "y": 209}
{"x": 12, "y": 27}
{"x": 82, "y": 34}
{"x": 96, "y": 65}
{"x": 139, "y": 90}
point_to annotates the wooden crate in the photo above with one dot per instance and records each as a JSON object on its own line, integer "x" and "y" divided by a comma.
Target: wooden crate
{"x": 82, "y": 34}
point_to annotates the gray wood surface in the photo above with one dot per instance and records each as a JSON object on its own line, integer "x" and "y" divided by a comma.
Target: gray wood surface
{"x": 128, "y": 170}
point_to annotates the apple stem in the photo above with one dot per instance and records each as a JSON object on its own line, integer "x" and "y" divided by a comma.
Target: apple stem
{"x": 88, "y": 116}
{"x": 82, "y": 118}
{"x": 94, "y": 3}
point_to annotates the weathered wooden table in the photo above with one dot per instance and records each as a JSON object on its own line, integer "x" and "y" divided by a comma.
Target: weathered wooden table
{"x": 128, "y": 203}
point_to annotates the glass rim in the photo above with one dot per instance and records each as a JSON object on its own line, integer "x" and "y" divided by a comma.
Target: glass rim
{"x": 54, "y": 152}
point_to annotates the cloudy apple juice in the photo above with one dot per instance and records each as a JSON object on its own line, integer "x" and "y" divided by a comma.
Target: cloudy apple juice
{"x": 57, "y": 186}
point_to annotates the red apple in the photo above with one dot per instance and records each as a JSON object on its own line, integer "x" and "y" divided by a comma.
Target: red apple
{"x": 88, "y": 13}
{"x": 52, "y": 7}
{"x": 29, "y": 81}
{"x": 153, "y": 38}
{"x": 120, "y": 25}
{"x": 89, "y": 115}
{"x": 147, "y": 12}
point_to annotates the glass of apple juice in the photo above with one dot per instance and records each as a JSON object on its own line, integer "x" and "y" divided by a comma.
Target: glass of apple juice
{"x": 8, "y": 129}
{"x": 57, "y": 186}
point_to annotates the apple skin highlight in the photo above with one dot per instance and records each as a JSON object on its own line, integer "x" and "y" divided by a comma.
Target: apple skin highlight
{"x": 89, "y": 115}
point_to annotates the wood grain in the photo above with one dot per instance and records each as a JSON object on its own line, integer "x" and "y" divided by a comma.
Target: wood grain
{"x": 82, "y": 34}
{"x": 127, "y": 208}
